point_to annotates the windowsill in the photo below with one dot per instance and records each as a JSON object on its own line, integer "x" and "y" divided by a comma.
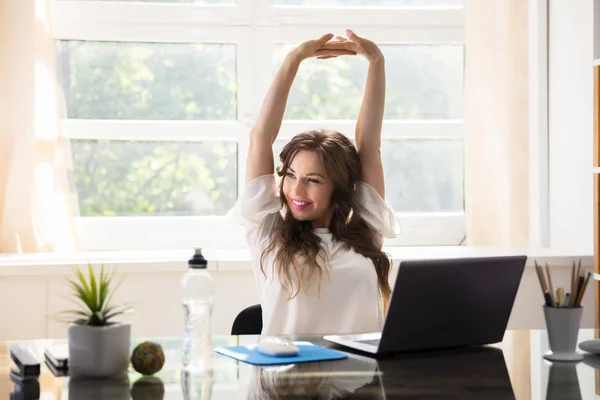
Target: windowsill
{"x": 44, "y": 264}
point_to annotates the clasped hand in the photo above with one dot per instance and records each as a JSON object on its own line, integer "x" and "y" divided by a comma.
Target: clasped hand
{"x": 329, "y": 47}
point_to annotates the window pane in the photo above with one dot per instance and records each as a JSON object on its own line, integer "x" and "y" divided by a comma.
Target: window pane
{"x": 424, "y": 175}
{"x": 423, "y": 82}
{"x": 127, "y": 178}
{"x": 157, "y": 81}
{"x": 370, "y": 3}
{"x": 277, "y": 148}
{"x": 421, "y": 175}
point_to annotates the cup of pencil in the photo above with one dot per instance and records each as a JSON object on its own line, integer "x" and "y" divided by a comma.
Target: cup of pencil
{"x": 562, "y": 311}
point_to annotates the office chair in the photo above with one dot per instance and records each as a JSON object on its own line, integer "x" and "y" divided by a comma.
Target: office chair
{"x": 248, "y": 321}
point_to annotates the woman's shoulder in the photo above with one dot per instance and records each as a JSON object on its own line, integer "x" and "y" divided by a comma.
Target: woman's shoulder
{"x": 258, "y": 200}
{"x": 376, "y": 211}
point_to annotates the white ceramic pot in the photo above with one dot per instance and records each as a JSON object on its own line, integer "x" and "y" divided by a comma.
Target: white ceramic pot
{"x": 99, "y": 351}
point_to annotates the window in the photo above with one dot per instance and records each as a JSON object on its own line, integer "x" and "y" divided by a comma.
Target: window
{"x": 148, "y": 81}
{"x": 159, "y": 96}
{"x": 370, "y": 3}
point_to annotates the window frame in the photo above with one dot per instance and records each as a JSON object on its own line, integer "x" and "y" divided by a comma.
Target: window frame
{"x": 254, "y": 27}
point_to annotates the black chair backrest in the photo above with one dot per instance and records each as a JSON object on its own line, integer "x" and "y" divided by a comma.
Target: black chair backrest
{"x": 248, "y": 321}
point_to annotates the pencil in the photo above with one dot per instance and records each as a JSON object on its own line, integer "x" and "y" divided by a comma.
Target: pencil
{"x": 548, "y": 299}
{"x": 550, "y": 287}
{"x": 582, "y": 292}
{"x": 573, "y": 278}
{"x": 559, "y": 296}
{"x": 580, "y": 281}
{"x": 566, "y": 301}
{"x": 577, "y": 272}
{"x": 579, "y": 278}
{"x": 538, "y": 271}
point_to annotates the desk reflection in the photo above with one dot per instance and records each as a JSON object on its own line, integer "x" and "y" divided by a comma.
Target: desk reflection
{"x": 563, "y": 383}
{"x": 355, "y": 377}
{"x": 98, "y": 389}
{"x": 465, "y": 374}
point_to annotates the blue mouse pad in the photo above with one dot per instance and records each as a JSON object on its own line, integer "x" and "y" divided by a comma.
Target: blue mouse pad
{"x": 308, "y": 352}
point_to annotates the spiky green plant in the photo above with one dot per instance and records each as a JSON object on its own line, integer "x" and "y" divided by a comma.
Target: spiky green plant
{"x": 94, "y": 295}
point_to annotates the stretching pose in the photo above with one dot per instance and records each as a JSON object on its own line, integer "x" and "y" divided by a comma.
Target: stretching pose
{"x": 316, "y": 235}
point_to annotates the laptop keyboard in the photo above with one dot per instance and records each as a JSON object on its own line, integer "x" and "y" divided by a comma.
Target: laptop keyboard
{"x": 372, "y": 342}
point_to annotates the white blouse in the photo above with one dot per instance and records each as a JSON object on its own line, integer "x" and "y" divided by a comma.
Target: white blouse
{"x": 349, "y": 300}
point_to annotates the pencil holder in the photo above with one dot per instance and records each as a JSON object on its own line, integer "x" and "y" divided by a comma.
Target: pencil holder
{"x": 562, "y": 325}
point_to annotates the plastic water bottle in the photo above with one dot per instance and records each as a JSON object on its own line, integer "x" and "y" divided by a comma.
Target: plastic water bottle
{"x": 197, "y": 300}
{"x": 196, "y": 386}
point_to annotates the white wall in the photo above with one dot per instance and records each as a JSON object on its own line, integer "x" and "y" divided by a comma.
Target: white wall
{"x": 570, "y": 90}
{"x": 29, "y": 301}
{"x": 539, "y": 233}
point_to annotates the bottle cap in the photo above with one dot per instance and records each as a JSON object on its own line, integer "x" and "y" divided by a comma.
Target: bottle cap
{"x": 198, "y": 260}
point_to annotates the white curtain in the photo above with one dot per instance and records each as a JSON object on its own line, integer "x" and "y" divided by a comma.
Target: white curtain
{"x": 35, "y": 209}
{"x": 497, "y": 123}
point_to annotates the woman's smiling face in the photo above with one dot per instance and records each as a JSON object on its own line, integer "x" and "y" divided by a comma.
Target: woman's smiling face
{"x": 308, "y": 189}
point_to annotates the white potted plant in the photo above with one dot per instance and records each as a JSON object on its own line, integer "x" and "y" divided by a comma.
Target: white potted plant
{"x": 98, "y": 346}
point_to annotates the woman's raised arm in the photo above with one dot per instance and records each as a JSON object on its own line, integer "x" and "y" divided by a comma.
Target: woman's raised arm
{"x": 264, "y": 132}
{"x": 370, "y": 117}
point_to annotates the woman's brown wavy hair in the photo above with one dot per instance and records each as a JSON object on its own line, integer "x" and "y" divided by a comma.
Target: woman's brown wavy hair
{"x": 295, "y": 244}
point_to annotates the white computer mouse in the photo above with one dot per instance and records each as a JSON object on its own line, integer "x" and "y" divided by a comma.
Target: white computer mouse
{"x": 277, "y": 347}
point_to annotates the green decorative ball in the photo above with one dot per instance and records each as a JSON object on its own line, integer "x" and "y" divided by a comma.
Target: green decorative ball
{"x": 148, "y": 358}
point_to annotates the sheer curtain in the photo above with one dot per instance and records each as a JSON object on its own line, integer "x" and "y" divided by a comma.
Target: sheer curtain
{"x": 497, "y": 123}
{"x": 35, "y": 209}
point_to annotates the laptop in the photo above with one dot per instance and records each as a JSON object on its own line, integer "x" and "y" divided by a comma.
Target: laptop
{"x": 448, "y": 303}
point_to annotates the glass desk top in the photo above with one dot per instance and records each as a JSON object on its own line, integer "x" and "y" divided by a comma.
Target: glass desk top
{"x": 512, "y": 369}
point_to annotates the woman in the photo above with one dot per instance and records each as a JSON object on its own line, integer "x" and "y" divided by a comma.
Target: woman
{"x": 316, "y": 237}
